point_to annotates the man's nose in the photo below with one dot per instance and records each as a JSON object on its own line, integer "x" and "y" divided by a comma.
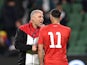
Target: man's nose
{"x": 42, "y": 19}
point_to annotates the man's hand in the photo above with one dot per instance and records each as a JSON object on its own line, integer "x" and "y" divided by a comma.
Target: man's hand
{"x": 41, "y": 64}
{"x": 34, "y": 48}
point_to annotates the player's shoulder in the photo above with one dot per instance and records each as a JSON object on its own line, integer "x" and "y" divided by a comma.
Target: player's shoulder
{"x": 66, "y": 27}
{"x": 46, "y": 27}
{"x": 43, "y": 27}
{"x": 49, "y": 25}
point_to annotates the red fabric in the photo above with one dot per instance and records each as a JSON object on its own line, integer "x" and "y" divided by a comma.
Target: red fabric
{"x": 30, "y": 30}
{"x": 56, "y": 63}
{"x": 54, "y": 56}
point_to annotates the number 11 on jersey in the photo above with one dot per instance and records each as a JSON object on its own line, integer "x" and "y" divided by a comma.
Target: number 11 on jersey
{"x": 58, "y": 45}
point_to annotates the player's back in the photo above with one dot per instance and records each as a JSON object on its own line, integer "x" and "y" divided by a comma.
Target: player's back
{"x": 55, "y": 41}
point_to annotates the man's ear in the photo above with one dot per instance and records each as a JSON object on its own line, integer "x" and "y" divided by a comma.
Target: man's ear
{"x": 32, "y": 17}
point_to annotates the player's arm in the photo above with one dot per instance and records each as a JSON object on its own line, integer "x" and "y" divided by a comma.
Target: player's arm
{"x": 40, "y": 46}
{"x": 40, "y": 53}
{"x": 69, "y": 33}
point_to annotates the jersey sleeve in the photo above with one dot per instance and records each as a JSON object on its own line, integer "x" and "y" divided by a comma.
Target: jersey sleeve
{"x": 41, "y": 35}
{"x": 69, "y": 33}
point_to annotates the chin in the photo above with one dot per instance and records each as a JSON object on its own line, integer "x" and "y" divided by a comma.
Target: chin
{"x": 39, "y": 25}
{"x": 42, "y": 25}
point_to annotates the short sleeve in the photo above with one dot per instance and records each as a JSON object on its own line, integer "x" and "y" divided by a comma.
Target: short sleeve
{"x": 41, "y": 36}
{"x": 69, "y": 33}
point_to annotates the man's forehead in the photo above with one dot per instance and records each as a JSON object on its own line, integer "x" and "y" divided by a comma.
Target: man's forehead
{"x": 38, "y": 14}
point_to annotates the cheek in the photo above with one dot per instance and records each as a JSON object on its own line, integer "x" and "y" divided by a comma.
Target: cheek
{"x": 36, "y": 19}
{"x": 42, "y": 19}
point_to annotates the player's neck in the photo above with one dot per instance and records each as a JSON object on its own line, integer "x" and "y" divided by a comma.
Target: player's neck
{"x": 55, "y": 22}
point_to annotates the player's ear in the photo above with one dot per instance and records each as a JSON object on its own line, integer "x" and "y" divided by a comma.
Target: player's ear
{"x": 51, "y": 17}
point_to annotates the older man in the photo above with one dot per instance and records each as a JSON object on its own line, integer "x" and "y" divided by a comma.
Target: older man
{"x": 26, "y": 39}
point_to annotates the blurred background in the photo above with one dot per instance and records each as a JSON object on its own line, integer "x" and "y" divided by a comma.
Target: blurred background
{"x": 14, "y": 13}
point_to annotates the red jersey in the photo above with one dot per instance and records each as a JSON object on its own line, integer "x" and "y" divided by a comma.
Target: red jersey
{"x": 54, "y": 37}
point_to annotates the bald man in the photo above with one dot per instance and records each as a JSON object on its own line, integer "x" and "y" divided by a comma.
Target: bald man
{"x": 27, "y": 37}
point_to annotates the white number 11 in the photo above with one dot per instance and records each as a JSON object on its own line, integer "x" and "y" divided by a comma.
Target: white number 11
{"x": 58, "y": 45}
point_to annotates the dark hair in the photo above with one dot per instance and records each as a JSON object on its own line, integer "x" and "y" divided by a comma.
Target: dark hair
{"x": 59, "y": 3}
{"x": 55, "y": 13}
